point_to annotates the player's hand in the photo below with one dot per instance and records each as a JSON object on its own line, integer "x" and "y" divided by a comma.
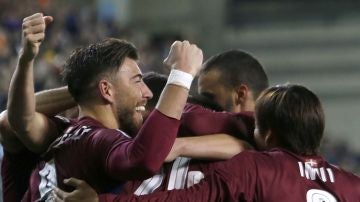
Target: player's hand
{"x": 185, "y": 57}
{"x": 82, "y": 192}
{"x": 33, "y": 33}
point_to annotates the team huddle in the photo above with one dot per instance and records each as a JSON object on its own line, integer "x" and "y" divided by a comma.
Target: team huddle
{"x": 116, "y": 134}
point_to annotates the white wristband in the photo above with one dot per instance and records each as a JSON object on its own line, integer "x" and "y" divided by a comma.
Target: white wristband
{"x": 180, "y": 78}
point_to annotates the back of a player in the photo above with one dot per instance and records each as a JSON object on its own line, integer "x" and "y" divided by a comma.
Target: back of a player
{"x": 280, "y": 175}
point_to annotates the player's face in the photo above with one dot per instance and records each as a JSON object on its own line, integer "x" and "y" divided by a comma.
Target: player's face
{"x": 210, "y": 86}
{"x": 131, "y": 96}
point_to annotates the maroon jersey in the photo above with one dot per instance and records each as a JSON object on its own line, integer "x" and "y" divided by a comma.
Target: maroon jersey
{"x": 277, "y": 175}
{"x": 16, "y": 167}
{"x": 15, "y": 171}
{"x": 197, "y": 120}
{"x": 185, "y": 172}
{"x": 103, "y": 157}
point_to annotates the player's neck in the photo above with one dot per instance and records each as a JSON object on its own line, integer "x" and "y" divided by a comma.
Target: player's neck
{"x": 101, "y": 113}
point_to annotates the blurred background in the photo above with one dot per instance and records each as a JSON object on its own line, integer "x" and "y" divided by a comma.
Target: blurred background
{"x": 314, "y": 43}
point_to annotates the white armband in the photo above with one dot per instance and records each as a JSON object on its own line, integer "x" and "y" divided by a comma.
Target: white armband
{"x": 180, "y": 78}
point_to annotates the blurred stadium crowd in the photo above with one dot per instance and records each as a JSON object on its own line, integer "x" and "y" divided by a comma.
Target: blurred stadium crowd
{"x": 72, "y": 29}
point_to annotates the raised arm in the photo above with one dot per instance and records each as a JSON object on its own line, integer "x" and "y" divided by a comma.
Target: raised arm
{"x": 152, "y": 144}
{"x": 33, "y": 129}
{"x": 185, "y": 60}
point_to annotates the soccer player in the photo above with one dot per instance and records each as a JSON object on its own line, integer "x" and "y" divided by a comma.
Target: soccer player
{"x": 105, "y": 81}
{"x": 233, "y": 80}
{"x": 237, "y": 96}
{"x": 54, "y": 101}
{"x": 18, "y": 161}
{"x": 289, "y": 128}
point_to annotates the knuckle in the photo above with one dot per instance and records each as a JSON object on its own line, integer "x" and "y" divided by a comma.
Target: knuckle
{"x": 25, "y": 25}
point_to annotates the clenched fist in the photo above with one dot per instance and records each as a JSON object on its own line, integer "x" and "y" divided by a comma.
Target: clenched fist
{"x": 185, "y": 57}
{"x": 33, "y": 33}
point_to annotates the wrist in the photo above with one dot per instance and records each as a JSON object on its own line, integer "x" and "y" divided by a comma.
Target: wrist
{"x": 180, "y": 78}
{"x": 25, "y": 59}
{"x": 26, "y": 56}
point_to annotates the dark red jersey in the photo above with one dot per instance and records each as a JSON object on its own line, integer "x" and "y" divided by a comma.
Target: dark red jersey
{"x": 185, "y": 172}
{"x": 16, "y": 167}
{"x": 197, "y": 120}
{"x": 15, "y": 171}
{"x": 277, "y": 175}
{"x": 103, "y": 157}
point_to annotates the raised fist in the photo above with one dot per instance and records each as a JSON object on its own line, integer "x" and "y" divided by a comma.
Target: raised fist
{"x": 185, "y": 57}
{"x": 33, "y": 33}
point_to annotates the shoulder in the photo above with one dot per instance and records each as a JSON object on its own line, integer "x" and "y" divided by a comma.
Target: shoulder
{"x": 345, "y": 175}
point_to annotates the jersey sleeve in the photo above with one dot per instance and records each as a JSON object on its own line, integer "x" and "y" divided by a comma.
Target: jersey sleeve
{"x": 15, "y": 171}
{"x": 141, "y": 157}
{"x": 232, "y": 180}
{"x": 211, "y": 189}
{"x": 197, "y": 120}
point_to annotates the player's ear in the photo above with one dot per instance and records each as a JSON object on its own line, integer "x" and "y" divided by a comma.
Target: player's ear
{"x": 106, "y": 90}
{"x": 241, "y": 94}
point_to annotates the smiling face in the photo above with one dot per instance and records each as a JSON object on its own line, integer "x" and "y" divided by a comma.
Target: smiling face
{"x": 131, "y": 96}
{"x": 211, "y": 86}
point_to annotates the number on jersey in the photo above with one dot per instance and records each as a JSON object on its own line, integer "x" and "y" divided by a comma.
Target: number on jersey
{"x": 317, "y": 195}
{"x": 48, "y": 180}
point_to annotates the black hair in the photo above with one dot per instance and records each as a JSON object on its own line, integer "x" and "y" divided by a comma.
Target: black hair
{"x": 237, "y": 67}
{"x": 156, "y": 83}
{"x": 294, "y": 115}
{"x": 87, "y": 65}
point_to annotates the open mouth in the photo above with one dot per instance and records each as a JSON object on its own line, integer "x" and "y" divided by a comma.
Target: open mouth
{"x": 140, "y": 109}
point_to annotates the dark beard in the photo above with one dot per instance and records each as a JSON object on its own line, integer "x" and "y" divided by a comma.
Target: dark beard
{"x": 127, "y": 122}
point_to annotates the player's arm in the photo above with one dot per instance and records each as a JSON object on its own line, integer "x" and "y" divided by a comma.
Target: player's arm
{"x": 212, "y": 188}
{"x": 211, "y": 147}
{"x": 33, "y": 129}
{"x": 49, "y": 102}
{"x": 53, "y": 101}
{"x": 183, "y": 58}
{"x": 8, "y": 137}
{"x": 148, "y": 150}
{"x": 195, "y": 121}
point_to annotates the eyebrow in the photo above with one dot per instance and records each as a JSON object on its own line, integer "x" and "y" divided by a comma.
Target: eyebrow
{"x": 137, "y": 76}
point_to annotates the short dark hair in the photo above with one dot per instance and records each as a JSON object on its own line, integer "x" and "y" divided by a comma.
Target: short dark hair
{"x": 238, "y": 67}
{"x": 87, "y": 65}
{"x": 294, "y": 115}
{"x": 205, "y": 102}
{"x": 156, "y": 83}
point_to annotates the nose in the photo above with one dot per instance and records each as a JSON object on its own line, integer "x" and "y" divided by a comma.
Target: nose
{"x": 146, "y": 92}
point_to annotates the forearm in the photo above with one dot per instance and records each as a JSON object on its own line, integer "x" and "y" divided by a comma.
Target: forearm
{"x": 21, "y": 97}
{"x": 54, "y": 101}
{"x": 217, "y": 146}
{"x": 172, "y": 101}
{"x": 143, "y": 156}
